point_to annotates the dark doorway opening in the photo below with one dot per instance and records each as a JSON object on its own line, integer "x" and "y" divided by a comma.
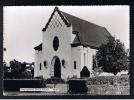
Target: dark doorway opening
{"x": 85, "y": 72}
{"x": 57, "y": 68}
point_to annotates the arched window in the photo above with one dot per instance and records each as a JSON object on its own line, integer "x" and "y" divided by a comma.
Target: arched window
{"x": 84, "y": 58}
{"x": 63, "y": 63}
{"x": 74, "y": 64}
{"x": 40, "y": 66}
{"x": 45, "y": 63}
{"x": 56, "y": 43}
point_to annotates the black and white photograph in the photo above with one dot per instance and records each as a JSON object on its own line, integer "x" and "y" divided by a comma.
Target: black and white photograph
{"x": 66, "y": 50}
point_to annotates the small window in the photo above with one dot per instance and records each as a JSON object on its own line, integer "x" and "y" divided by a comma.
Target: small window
{"x": 40, "y": 66}
{"x": 74, "y": 64}
{"x": 63, "y": 62}
{"x": 45, "y": 63}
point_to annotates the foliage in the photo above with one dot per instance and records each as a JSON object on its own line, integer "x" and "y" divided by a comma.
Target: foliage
{"x": 108, "y": 80}
{"x": 112, "y": 56}
{"x": 26, "y": 74}
{"x": 32, "y": 72}
{"x": 23, "y": 67}
{"x": 6, "y": 70}
{"x": 17, "y": 70}
{"x": 94, "y": 62}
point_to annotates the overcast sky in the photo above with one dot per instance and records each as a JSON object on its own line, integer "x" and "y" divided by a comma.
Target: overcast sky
{"x": 23, "y": 26}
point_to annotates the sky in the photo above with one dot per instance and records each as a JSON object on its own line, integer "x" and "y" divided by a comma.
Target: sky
{"x": 23, "y": 26}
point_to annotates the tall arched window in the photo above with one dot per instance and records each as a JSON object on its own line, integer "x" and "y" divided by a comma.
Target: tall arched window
{"x": 84, "y": 58}
{"x": 40, "y": 66}
{"x": 56, "y": 43}
{"x": 74, "y": 64}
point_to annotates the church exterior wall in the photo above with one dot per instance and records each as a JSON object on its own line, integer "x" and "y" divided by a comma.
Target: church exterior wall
{"x": 38, "y": 60}
{"x": 88, "y": 58}
{"x": 81, "y": 60}
{"x": 82, "y": 55}
{"x": 63, "y": 52}
{"x": 76, "y": 56}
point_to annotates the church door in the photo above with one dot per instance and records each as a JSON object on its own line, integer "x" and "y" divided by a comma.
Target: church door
{"x": 85, "y": 72}
{"x": 57, "y": 68}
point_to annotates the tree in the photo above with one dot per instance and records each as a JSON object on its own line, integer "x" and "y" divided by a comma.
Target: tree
{"x": 23, "y": 66}
{"x": 112, "y": 56}
{"x": 32, "y": 72}
{"x": 15, "y": 68}
{"x": 7, "y": 73}
{"x": 94, "y": 63}
{"x": 126, "y": 60}
{"x": 18, "y": 69}
{"x": 26, "y": 74}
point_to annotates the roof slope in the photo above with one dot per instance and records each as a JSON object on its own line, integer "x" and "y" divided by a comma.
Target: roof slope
{"x": 89, "y": 34}
{"x": 39, "y": 47}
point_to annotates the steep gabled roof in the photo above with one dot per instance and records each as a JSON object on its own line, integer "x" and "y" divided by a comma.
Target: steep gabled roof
{"x": 62, "y": 17}
{"x": 89, "y": 34}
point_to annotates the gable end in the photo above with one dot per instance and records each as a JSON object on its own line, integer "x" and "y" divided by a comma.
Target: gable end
{"x": 67, "y": 23}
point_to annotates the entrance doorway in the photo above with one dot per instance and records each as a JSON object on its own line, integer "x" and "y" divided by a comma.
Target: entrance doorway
{"x": 85, "y": 72}
{"x": 56, "y": 67}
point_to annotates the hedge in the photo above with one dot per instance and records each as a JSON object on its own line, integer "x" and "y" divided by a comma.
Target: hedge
{"x": 16, "y": 84}
{"x": 107, "y": 80}
{"x": 77, "y": 86}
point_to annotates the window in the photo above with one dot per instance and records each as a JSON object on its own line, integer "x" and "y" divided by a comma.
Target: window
{"x": 63, "y": 62}
{"x": 45, "y": 64}
{"x": 74, "y": 64}
{"x": 56, "y": 43}
{"x": 40, "y": 66}
{"x": 84, "y": 58}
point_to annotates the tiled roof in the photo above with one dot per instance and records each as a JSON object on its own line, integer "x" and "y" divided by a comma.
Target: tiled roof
{"x": 89, "y": 34}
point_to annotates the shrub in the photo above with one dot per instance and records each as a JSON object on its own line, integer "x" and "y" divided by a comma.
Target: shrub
{"x": 16, "y": 84}
{"x": 26, "y": 75}
{"x": 78, "y": 86}
{"x": 112, "y": 56}
{"x": 108, "y": 80}
{"x": 18, "y": 70}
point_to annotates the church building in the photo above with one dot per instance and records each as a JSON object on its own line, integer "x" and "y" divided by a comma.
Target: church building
{"x": 68, "y": 46}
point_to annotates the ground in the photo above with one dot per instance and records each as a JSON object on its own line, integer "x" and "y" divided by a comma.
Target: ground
{"x": 119, "y": 87}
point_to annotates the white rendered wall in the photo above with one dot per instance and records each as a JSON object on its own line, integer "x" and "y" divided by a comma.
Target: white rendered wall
{"x": 38, "y": 60}
{"x": 63, "y": 52}
{"x": 81, "y": 61}
{"x": 89, "y": 58}
{"x": 72, "y": 37}
{"x": 76, "y": 56}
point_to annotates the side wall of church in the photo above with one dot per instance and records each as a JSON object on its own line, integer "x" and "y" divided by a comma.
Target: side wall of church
{"x": 38, "y": 60}
{"x": 87, "y": 58}
{"x": 83, "y": 57}
{"x": 76, "y": 57}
